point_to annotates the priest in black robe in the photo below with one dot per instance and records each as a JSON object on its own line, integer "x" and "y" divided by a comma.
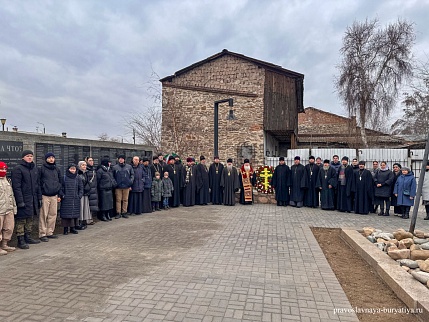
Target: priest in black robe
{"x": 189, "y": 183}
{"x": 247, "y": 178}
{"x": 175, "y": 175}
{"x": 281, "y": 182}
{"x": 179, "y": 167}
{"x": 363, "y": 188}
{"x": 296, "y": 190}
{"x": 156, "y": 167}
{"x": 215, "y": 175}
{"x": 309, "y": 180}
{"x": 229, "y": 183}
{"x": 344, "y": 186}
{"x": 326, "y": 183}
{"x": 202, "y": 182}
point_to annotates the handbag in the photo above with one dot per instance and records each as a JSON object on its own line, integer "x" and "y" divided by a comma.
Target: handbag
{"x": 406, "y": 192}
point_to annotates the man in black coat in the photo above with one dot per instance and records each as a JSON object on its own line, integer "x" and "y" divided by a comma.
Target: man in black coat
{"x": 296, "y": 190}
{"x": 281, "y": 182}
{"x": 202, "y": 182}
{"x": 215, "y": 175}
{"x": 326, "y": 182}
{"x": 344, "y": 186}
{"x": 50, "y": 179}
{"x": 311, "y": 193}
{"x": 26, "y": 189}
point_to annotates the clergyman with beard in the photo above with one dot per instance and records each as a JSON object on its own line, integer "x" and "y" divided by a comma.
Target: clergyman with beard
{"x": 230, "y": 183}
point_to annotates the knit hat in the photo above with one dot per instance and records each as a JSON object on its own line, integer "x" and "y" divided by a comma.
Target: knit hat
{"x": 188, "y": 159}
{"x": 3, "y": 166}
{"x": 26, "y": 152}
{"x": 71, "y": 165}
{"x": 121, "y": 156}
{"x": 326, "y": 161}
{"x": 48, "y": 155}
{"x": 362, "y": 163}
{"x": 281, "y": 158}
{"x": 145, "y": 159}
{"x": 202, "y": 158}
{"x": 311, "y": 158}
{"x": 405, "y": 168}
{"x": 297, "y": 158}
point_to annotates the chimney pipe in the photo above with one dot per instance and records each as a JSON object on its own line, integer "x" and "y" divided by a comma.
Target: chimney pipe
{"x": 64, "y": 134}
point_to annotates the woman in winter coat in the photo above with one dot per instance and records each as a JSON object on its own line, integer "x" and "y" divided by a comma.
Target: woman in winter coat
{"x": 85, "y": 211}
{"x": 106, "y": 183}
{"x": 397, "y": 210}
{"x": 93, "y": 193}
{"x": 70, "y": 194}
{"x": 405, "y": 191}
{"x": 383, "y": 180}
{"x": 425, "y": 191}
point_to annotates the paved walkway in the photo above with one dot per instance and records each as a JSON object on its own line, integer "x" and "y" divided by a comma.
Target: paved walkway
{"x": 212, "y": 263}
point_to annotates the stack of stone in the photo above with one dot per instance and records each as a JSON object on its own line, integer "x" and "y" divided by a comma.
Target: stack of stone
{"x": 410, "y": 251}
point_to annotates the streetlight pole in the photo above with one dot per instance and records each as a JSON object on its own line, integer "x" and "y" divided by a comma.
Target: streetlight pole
{"x": 216, "y": 122}
{"x": 3, "y": 122}
{"x": 419, "y": 187}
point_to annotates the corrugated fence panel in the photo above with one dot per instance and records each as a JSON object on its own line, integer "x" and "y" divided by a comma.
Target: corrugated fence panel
{"x": 329, "y": 153}
{"x": 392, "y": 155}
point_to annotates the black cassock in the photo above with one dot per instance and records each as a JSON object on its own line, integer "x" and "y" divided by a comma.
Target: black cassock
{"x": 179, "y": 168}
{"x": 189, "y": 185}
{"x": 344, "y": 199}
{"x": 174, "y": 174}
{"x": 281, "y": 182}
{"x": 252, "y": 181}
{"x": 296, "y": 191}
{"x": 215, "y": 175}
{"x": 363, "y": 188}
{"x": 230, "y": 183}
{"x": 203, "y": 184}
{"x": 309, "y": 180}
{"x": 327, "y": 195}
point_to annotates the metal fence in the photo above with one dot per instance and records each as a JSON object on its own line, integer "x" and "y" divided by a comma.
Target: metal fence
{"x": 406, "y": 157}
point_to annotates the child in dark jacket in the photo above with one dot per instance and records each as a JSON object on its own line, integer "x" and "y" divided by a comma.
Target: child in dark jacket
{"x": 156, "y": 191}
{"x": 167, "y": 189}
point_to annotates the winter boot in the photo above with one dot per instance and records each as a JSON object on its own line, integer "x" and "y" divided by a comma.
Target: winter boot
{"x": 30, "y": 240}
{"x": 5, "y": 246}
{"x": 66, "y": 230}
{"x": 21, "y": 243}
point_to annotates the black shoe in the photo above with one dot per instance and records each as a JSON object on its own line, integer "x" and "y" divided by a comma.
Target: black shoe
{"x": 125, "y": 215}
{"x": 103, "y": 218}
{"x": 30, "y": 240}
{"x": 427, "y": 217}
{"x": 21, "y": 243}
{"x": 66, "y": 230}
{"x": 118, "y": 216}
{"x": 381, "y": 214}
{"x": 108, "y": 217}
{"x": 78, "y": 227}
{"x": 83, "y": 225}
{"x": 158, "y": 209}
{"x": 73, "y": 230}
{"x": 44, "y": 239}
{"x": 52, "y": 236}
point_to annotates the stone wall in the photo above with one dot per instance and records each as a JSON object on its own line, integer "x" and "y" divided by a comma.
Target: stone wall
{"x": 188, "y": 115}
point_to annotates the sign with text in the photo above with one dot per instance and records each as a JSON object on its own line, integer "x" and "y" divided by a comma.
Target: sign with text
{"x": 10, "y": 153}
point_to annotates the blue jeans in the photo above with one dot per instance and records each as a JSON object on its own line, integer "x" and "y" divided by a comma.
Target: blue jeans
{"x": 166, "y": 204}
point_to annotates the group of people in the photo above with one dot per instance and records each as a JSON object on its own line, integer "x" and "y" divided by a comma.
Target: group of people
{"x": 85, "y": 191}
{"x": 348, "y": 187}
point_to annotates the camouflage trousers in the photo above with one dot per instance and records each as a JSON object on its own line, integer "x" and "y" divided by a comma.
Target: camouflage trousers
{"x": 23, "y": 226}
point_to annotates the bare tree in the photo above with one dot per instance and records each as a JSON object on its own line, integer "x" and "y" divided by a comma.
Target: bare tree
{"x": 106, "y": 137}
{"x": 374, "y": 63}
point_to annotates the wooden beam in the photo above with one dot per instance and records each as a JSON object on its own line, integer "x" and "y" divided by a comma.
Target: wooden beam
{"x": 211, "y": 90}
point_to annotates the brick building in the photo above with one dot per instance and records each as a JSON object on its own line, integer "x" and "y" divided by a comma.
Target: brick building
{"x": 317, "y": 128}
{"x": 257, "y": 115}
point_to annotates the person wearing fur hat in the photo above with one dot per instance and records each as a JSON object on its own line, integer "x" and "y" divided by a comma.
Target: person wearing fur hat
{"x": 106, "y": 184}
{"x": 50, "y": 180}
{"x": 124, "y": 176}
{"x": 71, "y": 194}
{"x": 247, "y": 179}
{"x": 7, "y": 211}
{"x": 189, "y": 184}
{"x": 175, "y": 173}
{"x": 202, "y": 182}
{"x": 26, "y": 189}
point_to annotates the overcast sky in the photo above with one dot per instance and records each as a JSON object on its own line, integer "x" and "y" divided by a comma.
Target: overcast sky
{"x": 81, "y": 66}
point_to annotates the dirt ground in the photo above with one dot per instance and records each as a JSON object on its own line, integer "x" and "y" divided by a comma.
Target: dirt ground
{"x": 363, "y": 287}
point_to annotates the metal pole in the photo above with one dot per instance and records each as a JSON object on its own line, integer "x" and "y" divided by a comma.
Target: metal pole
{"x": 216, "y": 123}
{"x": 419, "y": 187}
